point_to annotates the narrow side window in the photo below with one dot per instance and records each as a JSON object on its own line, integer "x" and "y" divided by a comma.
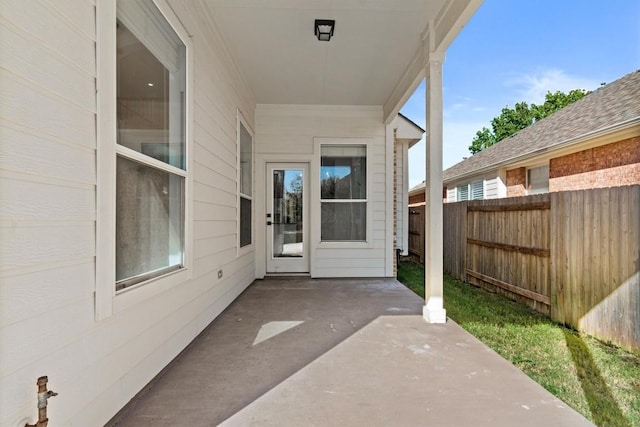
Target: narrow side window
{"x": 245, "y": 196}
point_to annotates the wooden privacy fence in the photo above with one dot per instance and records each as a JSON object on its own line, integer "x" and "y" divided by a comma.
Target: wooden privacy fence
{"x": 572, "y": 255}
{"x": 416, "y": 232}
{"x": 507, "y": 246}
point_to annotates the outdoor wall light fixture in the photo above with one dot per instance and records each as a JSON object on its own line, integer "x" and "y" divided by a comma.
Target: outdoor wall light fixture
{"x": 324, "y": 29}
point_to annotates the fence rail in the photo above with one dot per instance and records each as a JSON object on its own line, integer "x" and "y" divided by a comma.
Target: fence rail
{"x": 574, "y": 256}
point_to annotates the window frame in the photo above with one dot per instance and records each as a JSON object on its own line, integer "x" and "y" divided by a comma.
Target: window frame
{"x": 107, "y": 300}
{"x": 469, "y": 188}
{"x": 241, "y": 121}
{"x": 317, "y": 200}
{"x": 528, "y": 179}
{"x": 458, "y": 187}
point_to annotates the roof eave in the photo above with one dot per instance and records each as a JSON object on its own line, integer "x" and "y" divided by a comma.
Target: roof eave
{"x": 618, "y": 127}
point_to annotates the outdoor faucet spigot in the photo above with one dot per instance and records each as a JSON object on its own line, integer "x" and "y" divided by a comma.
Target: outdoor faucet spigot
{"x": 43, "y": 396}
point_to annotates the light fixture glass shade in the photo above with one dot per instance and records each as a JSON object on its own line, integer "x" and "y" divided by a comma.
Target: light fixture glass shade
{"x": 324, "y": 29}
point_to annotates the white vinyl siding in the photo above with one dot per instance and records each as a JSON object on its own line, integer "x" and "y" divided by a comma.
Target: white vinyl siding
{"x": 48, "y": 155}
{"x": 451, "y": 194}
{"x": 491, "y": 188}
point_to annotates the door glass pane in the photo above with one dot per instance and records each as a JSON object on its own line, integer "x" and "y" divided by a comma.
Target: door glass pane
{"x": 287, "y": 213}
{"x": 149, "y": 218}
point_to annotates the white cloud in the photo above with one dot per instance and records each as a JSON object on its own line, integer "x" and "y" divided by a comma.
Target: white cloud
{"x": 534, "y": 86}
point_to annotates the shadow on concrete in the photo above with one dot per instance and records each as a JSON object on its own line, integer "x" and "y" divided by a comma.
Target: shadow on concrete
{"x": 340, "y": 352}
{"x": 224, "y": 369}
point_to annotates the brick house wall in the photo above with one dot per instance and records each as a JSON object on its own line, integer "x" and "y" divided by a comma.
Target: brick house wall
{"x": 517, "y": 182}
{"x": 609, "y": 165}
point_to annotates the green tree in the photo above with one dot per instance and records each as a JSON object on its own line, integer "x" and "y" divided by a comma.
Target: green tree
{"x": 484, "y": 138}
{"x": 556, "y": 101}
{"x": 512, "y": 120}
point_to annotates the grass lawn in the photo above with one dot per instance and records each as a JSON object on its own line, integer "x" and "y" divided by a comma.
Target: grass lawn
{"x": 598, "y": 380}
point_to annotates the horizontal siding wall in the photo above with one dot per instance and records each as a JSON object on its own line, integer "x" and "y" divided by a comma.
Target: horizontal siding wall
{"x": 288, "y": 133}
{"x": 47, "y": 218}
{"x": 492, "y": 188}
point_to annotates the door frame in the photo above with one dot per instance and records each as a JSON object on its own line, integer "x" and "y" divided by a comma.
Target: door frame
{"x": 305, "y": 268}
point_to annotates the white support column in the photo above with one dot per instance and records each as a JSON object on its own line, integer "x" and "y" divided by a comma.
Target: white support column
{"x": 434, "y": 311}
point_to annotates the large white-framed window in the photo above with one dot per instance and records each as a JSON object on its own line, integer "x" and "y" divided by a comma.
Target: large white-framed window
{"x": 144, "y": 133}
{"x": 538, "y": 180}
{"x": 245, "y": 157}
{"x": 343, "y": 193}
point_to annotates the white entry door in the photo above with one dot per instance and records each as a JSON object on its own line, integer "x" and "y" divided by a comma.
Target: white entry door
{"x": 287, "y": 218}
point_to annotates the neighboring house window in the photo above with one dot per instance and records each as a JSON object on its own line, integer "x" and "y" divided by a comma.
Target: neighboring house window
{"x": 477, "y": 190}
{"x": 538, "y": 180}
{"x": 471, "y": 191}
{"x": 245, "y": 157}
{"x": 463, "y": 192}
{"x": 151, "y": 170}
{"x": 343, "y": 193}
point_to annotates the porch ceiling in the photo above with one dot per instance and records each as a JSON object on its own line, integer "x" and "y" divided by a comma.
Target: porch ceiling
{"x": 366, "y": 62}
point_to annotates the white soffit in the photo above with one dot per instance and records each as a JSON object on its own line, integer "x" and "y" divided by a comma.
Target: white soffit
{"x": 273, "y": 44}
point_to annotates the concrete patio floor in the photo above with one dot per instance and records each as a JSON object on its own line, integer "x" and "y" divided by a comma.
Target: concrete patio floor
{"x": 302, "y": 352}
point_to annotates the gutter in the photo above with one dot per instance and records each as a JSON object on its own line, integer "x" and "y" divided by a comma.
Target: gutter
{"x": 628, "y": 124}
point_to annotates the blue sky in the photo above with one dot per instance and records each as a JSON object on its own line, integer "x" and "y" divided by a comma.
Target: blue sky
{"x": 514, "y": 51}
